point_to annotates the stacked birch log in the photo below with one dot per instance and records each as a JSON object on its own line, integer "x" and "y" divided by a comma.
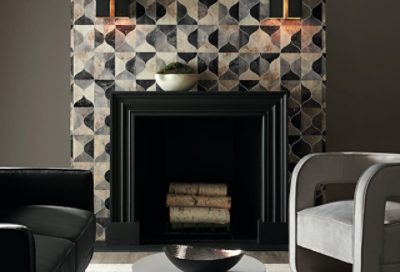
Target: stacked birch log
{"x": 200, "y": 204}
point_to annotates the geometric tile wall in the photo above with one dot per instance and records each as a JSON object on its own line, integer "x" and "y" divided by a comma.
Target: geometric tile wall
{"x": 231, "y": 44}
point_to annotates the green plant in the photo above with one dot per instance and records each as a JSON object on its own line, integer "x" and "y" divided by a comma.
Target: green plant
{"x": 176, "y": 68}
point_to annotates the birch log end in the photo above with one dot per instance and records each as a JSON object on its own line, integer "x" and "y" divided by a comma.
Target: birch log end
{"x": 223, "y": 202}
{"x": 199, "y": 215}
{"x": 208, "y": 189}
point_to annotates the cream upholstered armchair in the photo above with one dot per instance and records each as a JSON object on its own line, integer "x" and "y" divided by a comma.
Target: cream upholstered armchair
{"x": 360, "y": 233}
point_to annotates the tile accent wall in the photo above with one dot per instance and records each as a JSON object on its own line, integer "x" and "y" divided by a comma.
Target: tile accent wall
{"x": 231, "y": 44}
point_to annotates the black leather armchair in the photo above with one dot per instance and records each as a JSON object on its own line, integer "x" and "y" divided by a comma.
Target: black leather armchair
{"x": 46, "y": 220}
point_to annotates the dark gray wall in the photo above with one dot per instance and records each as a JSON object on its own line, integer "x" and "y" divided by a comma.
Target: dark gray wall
{"x": 34, "y": 82}
{"x": 363, "y": 97}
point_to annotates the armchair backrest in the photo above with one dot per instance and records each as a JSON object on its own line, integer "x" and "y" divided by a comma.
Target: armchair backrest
{"x": 59, "y": 187}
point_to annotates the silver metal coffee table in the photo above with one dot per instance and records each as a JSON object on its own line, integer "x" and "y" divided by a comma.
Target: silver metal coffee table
{"x": 159, "y": 263}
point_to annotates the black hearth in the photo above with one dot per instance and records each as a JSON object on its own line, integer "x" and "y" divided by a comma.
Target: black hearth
{"x": 234, "y": 138}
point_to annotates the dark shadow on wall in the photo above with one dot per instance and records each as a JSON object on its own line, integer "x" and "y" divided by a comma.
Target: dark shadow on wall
{"x": 363, "y": 75}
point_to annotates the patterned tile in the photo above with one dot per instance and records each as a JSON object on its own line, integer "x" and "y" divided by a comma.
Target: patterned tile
{"x": 101, "y": 228}
{"x": 316, "y": 143}
{"x": 166, "y": 12}
{"x": 146, "y": 38}
{"x": 125, "y": 66}
{"x": 292, "y": 129}
{"x": 104, "y": 38}
{"x": 249, "y": 12}
{"x": 264, "y": 10}
{"x": 101, "y": 171}
{"x": 83, "y": 12}
{"x": 259, "y": 39}
{"x": 208, "y": 39}
{"x": 145, "y": 66}
{"x": 311, "y": 94}
{"x": 249, "y": 66}
{"x": 249, "y": 85}
{"x": 102, "y": 148}
{"x": 315, "y": 124}
{"x": 104, "y": 66}
{"x": 290, "y": 66}
{"x": 228, "y": 40}
{"x": 208, "y": 66}
{"x": 323, "y": 39}
{"x": 323, "y": 67}
{"x": 188, "y": 58}
{"x": 208, "y": 85}
{"x": 83, "y": 148}
{"x": 102, "y": 93}
{"x": 228, "y": 12}
{"x": 270, "y": 85}
{"x": 102, "y": 121}
{"x": 208, "y": 11}
{"x": 228, "y": 85}
{"x": 125, "y": 85}
{"x": 270, "y": 67}
{"x": 291, "y": 37}
{"x": 323, "y": 94}
{"x": 146, "y": 85}
{"x": 312, "y": 12}
{"x": 228, "y": 67}
{"x": 295, "y": 89}
{"x": 312, "y": 39}
{"x": 83, "y": 165}
{"x": 83, "y": 93}
{"x": 298, "y": 147}
{"x": 295, "y": 125}
{"x": 82, "y": 122}
{"x": 100, "y": 209}
{"x": 83, "y": 66}
{"x": 187, "y": 12}
{"x": 125, "y": 38}
{"x": 83, "y": 38}
{"x": 166, "y": 38}
{"x": 146, "y": 12}
{"x": 312, "y": 66}
{"x": 187, "y": 38}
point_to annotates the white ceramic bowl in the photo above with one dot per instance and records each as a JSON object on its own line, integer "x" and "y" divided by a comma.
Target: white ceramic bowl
{"x": 176, "y": 82}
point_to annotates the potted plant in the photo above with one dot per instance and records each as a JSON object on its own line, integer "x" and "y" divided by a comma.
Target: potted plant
{"x": 176, "y": 77}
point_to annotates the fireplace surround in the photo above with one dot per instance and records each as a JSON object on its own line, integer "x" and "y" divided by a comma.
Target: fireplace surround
{"x": 236, "y": 138}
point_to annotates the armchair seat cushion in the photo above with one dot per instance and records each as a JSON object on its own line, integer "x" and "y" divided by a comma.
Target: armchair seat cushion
{"x": 54, "y": 254}
{"x": 328, "y": 229}
{"x": 70, "y": 224}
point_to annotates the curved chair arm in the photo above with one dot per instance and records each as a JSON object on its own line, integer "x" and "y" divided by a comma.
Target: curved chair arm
{"x": 308, "y": 173}
{"x": 314, "y": 169}
{"x": 17, "y": 248}
{"x": 378, "y": 184}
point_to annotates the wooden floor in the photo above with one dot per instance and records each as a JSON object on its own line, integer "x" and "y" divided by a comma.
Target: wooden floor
{"x": 131, "y": 257}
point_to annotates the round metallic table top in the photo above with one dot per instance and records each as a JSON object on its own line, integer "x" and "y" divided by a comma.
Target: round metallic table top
{"x": 159, "y": 263}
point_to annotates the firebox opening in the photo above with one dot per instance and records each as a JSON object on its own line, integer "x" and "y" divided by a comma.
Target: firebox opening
{"x": 197, "y": 149}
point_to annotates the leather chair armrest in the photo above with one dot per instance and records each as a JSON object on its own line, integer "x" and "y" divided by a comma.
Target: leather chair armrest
{"x": 375, "y": 187}
{"x": 59, "y": 187}
{"x": 17, "y": 248}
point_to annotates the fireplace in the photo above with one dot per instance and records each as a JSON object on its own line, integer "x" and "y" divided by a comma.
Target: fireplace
{"x": 237, "y": 139}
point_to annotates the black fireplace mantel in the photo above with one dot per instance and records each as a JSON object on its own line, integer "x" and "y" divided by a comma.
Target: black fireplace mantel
{"x": 269, "y": 107}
